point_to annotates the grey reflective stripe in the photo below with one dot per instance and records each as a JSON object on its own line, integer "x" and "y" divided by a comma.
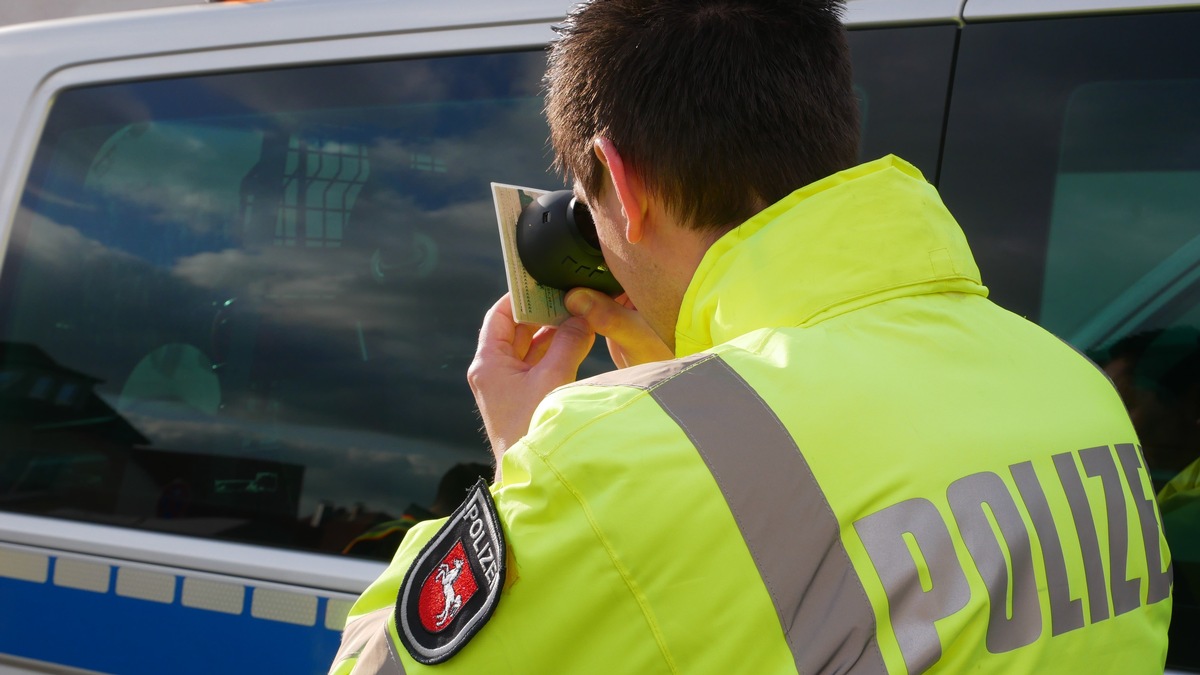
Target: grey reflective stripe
{"x": 379, "y": 656}
{"x": 394, "y": 666}
{"x": 356, "y": 632}
{"x": 366, "y": 640}
{"x": 645, "y": 376}
{"x": 793, "y": 535}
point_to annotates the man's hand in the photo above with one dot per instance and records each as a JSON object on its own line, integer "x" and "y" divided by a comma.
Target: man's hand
{"x": 516, "y": 365}
{"x": 631, "y": 341}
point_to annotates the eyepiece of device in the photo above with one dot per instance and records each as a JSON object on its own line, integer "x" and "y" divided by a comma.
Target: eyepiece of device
{"x": 557, "y": 243}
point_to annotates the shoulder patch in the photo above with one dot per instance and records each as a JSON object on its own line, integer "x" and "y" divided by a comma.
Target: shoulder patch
{"x": 453, "y": 586}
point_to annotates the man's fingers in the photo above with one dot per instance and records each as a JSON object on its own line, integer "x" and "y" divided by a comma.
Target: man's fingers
{"x": 501, "y": 333}
{"x": 499, "y": 328}
{"x": 539, "y": 343}
{"x": 601, "y": 312}
{"x": 631, "y": 340}
{"x": 524, "y": 339}
{"x": 571, "y": 342}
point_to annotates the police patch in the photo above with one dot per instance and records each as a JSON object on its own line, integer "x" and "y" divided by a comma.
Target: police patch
{"x": 453, "y": 586}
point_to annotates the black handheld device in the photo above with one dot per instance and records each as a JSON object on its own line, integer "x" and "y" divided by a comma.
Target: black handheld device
{"x": 557, "y": 244}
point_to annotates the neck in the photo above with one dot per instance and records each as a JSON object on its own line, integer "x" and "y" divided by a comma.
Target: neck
{"x": 676, "y": 252}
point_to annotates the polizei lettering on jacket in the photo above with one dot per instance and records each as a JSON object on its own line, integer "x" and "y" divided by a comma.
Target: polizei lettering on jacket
{"x": 485, "y": 552}
{"x": 987, "y": 517}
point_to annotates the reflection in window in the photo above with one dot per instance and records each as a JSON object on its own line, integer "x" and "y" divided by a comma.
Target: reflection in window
{"x": 321, "y": 180}
{"x": 1124, "y": 233}
{"x": 249, "y": 317}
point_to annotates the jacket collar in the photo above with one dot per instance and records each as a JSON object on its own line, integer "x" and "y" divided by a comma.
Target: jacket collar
{"x": 861, "y": 236}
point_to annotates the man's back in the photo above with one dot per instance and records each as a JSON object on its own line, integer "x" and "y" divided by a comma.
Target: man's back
{"x": 867, "y": 468}
{"x": 900, "y": 436}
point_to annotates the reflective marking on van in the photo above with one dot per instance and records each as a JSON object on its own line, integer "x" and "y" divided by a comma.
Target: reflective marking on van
{"x": 336, "y": 612}
{"x": 24, "y": 566}
{"x": 143, "y": 584}
{"x": 216, "y": 596}
{"x": 285, "y": 606}
{"x": 200, "y": 593}
{"x": 167, "y": 608}
{"x": 84, "y": 575}
{"x": 197, "y": 592}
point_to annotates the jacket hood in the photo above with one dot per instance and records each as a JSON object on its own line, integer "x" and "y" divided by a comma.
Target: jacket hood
{"x": 861, "y": 236}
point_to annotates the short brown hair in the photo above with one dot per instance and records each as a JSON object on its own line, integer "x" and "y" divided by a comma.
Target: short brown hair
{"x": 720, "y": 106}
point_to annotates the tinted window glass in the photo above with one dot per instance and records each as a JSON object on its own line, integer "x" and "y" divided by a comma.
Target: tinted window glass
{"x": 1124, "y": 201}
{"x": 902, "y": 76}
{"x": 1074, "y": 164}
{"x": 242, "y": 306}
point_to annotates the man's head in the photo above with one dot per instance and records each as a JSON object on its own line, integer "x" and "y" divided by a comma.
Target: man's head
{"x": 720, "y": 107}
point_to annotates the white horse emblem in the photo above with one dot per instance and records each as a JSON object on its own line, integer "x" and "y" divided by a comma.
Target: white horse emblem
{"x": 446, "y": 576}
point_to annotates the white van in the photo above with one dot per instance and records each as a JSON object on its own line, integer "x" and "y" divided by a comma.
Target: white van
{"x": 245, "y": 250}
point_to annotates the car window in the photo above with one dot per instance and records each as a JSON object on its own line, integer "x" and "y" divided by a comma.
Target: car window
{"x": 242, "y": 306}
{"x": 1124, "y": 201}
{"x": 1074, "y": 165}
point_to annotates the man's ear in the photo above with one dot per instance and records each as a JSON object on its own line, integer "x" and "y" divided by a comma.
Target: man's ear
{"x": 631, "y": 192}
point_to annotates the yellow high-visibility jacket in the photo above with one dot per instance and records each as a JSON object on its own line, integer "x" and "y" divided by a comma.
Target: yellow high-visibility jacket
{"x": 857, "y": 464}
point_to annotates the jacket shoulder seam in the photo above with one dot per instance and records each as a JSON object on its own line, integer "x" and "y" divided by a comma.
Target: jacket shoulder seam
{"x": 626, "y": 576}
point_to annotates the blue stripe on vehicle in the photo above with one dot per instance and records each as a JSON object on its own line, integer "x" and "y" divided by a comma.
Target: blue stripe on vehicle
{"x": 112, "y": 633}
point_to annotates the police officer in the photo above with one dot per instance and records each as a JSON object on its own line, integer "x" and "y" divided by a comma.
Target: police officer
{"x": 825, "y": 451}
